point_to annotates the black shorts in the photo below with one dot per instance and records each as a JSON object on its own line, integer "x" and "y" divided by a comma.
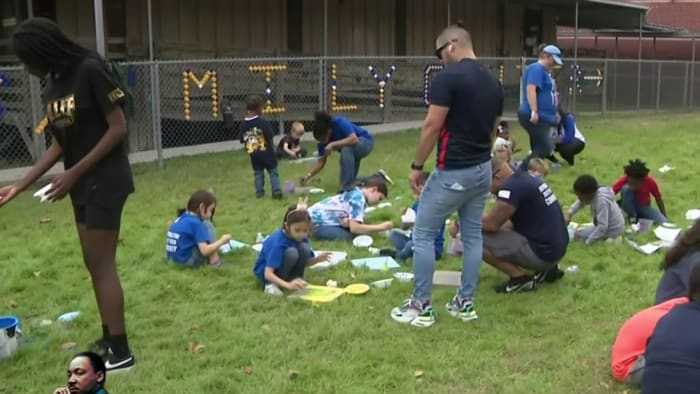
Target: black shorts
{"x": 96, "y": 217}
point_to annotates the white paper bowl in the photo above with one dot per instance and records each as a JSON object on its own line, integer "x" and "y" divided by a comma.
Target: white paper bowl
{"x": 382, "y": 284}
{"x": 363, "y": 241}
{"x": 403, "y": 276}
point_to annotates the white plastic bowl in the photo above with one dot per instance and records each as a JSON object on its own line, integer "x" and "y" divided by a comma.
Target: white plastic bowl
{"x": 382, "y": 284}
{"x": 403, "y": 276}
{"x": 363, "y": 241}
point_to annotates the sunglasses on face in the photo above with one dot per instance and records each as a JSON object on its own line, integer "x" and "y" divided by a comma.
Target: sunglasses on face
{"x": 438, "y": 52}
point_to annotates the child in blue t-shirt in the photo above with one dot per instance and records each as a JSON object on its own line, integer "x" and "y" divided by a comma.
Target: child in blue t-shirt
{"x": 340, "y": 216}
{"x": 403, "y": 243}
{"x": 257, "y": 137}
{"x": 286, "y": 253}
{"x": 190, "y": 239}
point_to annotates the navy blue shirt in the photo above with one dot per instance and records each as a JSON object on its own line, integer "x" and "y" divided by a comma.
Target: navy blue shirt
{"x": 342, "y": 128}
{"x": 674, "y": 281}
{"x": 673, "y": 353}
{"x": 475, "y": 99}
{"x": 536, "y": 74}
{"x": 538, "y": 215}
{"x": 257, "y": 137}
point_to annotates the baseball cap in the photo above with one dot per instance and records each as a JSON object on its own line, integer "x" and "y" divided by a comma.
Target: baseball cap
{"x": 555, "y": 52}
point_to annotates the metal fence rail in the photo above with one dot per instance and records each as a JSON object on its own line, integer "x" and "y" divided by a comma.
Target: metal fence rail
{"x": 180, "y": 103}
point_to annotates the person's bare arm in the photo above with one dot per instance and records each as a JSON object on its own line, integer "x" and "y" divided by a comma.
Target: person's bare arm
{"x": 320, "y": 163}
{"x": 350, "y": 140}
{"x": 430, "y": 132}
{"x": 207, "y": 249}
{"x": 500, "y": 213}
{"x": 532, "y": 97}
{"x": 361, "y": 228}
{"x": 47, "y": 160}
{"x": 290, "y": 152}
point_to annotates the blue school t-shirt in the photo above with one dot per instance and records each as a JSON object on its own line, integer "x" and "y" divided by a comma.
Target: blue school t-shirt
{"x": 538, "y": 215}
{"x": 342, "y": 128}
{"x": 184, "y": 235}
{"x": 536, "y": 74}
{"x": 272, "y": 253}
{"x": 673, "y": 353}
{"x": 439, "y": 240}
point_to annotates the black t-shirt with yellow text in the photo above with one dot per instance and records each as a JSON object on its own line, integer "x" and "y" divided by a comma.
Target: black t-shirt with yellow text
{"x": 77, "y": 103}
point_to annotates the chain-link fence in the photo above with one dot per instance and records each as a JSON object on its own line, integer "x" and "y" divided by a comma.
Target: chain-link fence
{"x": 194, "y": 102}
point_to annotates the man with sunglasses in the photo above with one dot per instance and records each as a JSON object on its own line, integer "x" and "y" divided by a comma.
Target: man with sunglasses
{"x": 466, "y": 105}
{"x": 538, "y": 110}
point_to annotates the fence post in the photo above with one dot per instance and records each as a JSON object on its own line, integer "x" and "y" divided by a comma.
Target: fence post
{"x": 692, "y": 75}
{"x": 685, "y": 87}
{"x": 155, "y": 112}
{"x": 604, "y": 100}
{"x": 658, "y": 85}
{"x": 321, "y": 77}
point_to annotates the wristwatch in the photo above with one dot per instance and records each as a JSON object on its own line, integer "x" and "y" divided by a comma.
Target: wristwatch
{"x": 416, "y": 167}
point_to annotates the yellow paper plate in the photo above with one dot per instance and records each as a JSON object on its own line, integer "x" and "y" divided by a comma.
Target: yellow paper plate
{"x": 357, "y": 289}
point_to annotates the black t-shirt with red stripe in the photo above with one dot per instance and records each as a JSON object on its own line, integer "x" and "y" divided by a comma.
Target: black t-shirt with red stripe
{"x": 475, "y": 99}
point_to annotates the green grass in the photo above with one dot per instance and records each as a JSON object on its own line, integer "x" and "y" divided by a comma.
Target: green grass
{"x": 556, "y": 340}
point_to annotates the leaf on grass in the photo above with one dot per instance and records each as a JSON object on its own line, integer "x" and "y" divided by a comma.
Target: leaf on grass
{"x": 606, "y": 385}
{"x": 194, "y": 327}
{"x": 418, "y": 374}
{"x": 68, "y": 345}
{"x": 13, "y": 304}
{"x": 45, "y": 221}
{"x": 265, "y": 327}
{"x": 248, "y": 369}
{"x": 292, "y": 374}
{"x": 194, "y": 347}
{"x": 36, "y": 273}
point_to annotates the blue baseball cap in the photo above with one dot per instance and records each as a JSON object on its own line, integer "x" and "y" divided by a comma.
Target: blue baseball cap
{"x": 555, "y": 52}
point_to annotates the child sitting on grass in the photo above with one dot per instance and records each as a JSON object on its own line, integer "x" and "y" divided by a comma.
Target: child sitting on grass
{"x": 286, "y": 253}
{"x": 190, "y": 238}
{"x": 608, "y": 222}
{"x": 636, "y": 187}
{"x": 257, "y": 138}
{"x": 341, "y": 216}
{"x": 289, "y": 146}
{"x": 503, "y": 138}
{"x": 403, "y": 243}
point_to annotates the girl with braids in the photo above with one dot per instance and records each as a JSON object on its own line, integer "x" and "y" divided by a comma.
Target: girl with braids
{"x": 286, "y": 253}
{"x": 83, "y": 102}
{"x": 680, "y": 260}
{"x": 636, "y": 188}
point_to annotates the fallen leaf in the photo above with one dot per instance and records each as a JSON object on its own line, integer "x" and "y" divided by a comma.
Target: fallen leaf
{"x": 199, "y": 348}
{"x": 45, "y": 221}
{"x": 194, "y": 347}
{"x": 606, "y": 385}
{"x": 13, "y": 304}
{"x": 68, "y": 345}
{"x": 352, "y": 275}
{"x": 292, "y": 374}
{"x": 418, "y": 374}
{"x": 265, "y": 327}
{"x": 248, "y": 369}
{"x": 194, "y": 327}
{"x": 36, "y": 273}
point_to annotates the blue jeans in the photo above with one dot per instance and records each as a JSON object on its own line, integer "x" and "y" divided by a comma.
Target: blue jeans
{"x": 350, "y": 158}
{"x": 294, "y": 262}
{"x": 634, "y": 210}
{"x": 332, "y": 233}
{"x": 274, "y": 182}
{"x": 402, "y": 243}
{"x": 445, "y": 192}
{"x": 540, "y": 139}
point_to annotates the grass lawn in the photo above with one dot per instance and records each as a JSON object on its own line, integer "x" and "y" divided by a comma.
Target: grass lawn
{"x": 555, "y": 340}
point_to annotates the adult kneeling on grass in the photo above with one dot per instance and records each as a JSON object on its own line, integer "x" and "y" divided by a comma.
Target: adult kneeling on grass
{"x": 337, "y": 133}
{"x": 536, "y": 238}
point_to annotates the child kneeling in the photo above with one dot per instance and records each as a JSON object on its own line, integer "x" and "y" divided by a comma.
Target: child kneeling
{"x": 608, "y": 222}
{"x": 286, "y": 253}
{"x": 190, "y": 238}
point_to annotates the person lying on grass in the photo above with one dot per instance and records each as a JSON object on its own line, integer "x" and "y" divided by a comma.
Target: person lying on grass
{"x": 341, "y": 216}
{"x": 636, "y": 187}
{"x": 403, "y": 243}
{"x": 286, "y": 253}
{"x": 608, "y": 222}
{"x": 524, "y": 229}
{"x": 680, "y": 260}
{"x": 190, "y": 238}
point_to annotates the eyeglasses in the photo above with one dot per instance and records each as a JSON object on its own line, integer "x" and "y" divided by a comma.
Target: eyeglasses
{"x": 438, "y": 52}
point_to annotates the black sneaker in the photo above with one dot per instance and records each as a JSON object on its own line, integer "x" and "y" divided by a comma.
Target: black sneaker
{"x": 388, "y": 252}
{"x": 550, "y": 276}
{"x": 100, "y": 347}
{"x": 116, "y": 365}
{"x": 516, "y": 285}
{"x": 277, "y": 196}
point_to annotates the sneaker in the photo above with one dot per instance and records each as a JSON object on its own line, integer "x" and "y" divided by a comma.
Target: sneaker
{"x": 115, "y": 365}
{"x": 388, "y": 252}
{"x": 414, "y": 314}
{"x": 386, "y": 177}
{"x": 462, "y": 310}
{"x": 516, "y": 285}
{"x": 272, "y": 289}
{"x": 277, "y": 196}
{"x": 550, "y": 276}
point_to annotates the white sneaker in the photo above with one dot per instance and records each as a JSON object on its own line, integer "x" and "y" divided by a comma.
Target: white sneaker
{"x": 273, "y": 289}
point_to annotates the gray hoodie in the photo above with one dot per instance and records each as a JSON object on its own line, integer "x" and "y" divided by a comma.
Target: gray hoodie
{"x": 607, "y": 217}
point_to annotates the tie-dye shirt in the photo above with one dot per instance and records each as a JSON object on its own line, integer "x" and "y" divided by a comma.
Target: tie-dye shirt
{"x": 332, "y": 210}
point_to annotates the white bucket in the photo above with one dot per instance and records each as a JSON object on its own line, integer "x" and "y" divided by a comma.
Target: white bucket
{"x": 10, "y": 335}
